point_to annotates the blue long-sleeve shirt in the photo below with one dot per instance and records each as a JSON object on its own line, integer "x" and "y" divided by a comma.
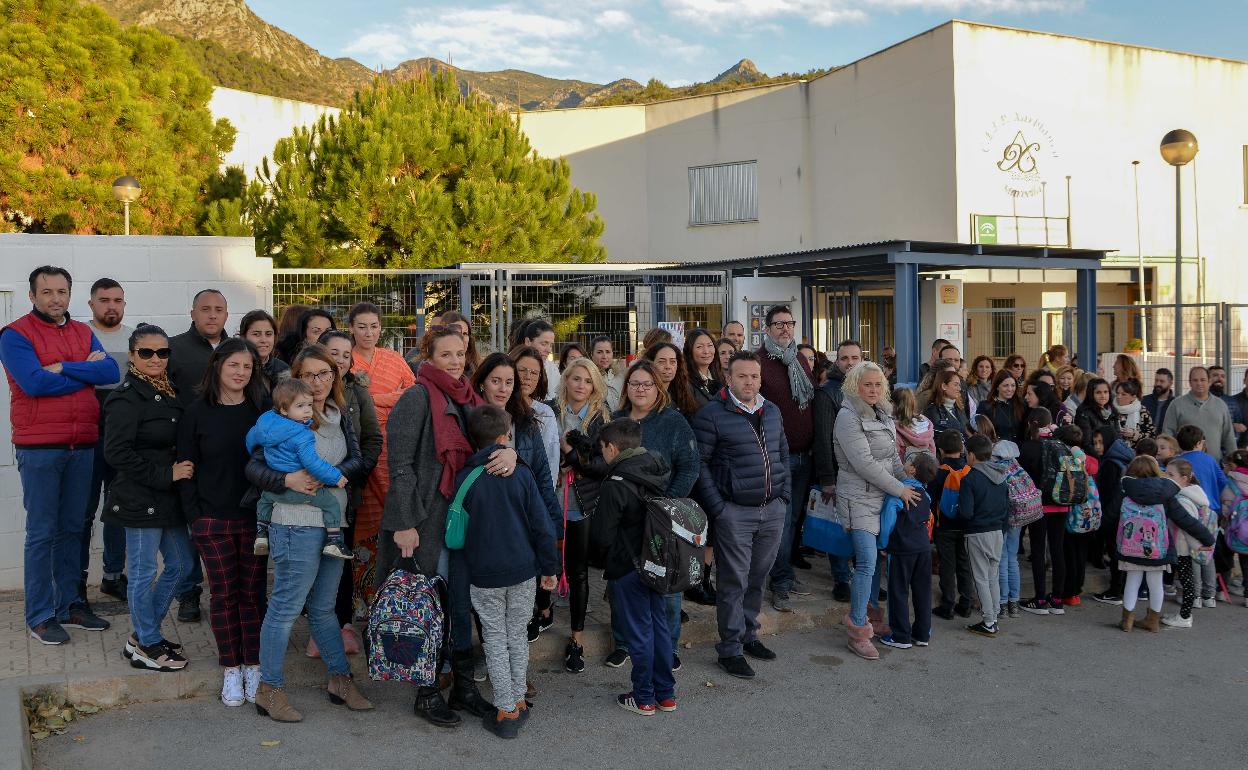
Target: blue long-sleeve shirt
{"x": 21, "y": 361}
{"x": 1209, "y": 473}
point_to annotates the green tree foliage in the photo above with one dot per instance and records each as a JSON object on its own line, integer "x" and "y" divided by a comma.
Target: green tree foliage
{"x": 416, "y": 175}
{"x": 84, "y": 102}
{"x": 657, "y": 90}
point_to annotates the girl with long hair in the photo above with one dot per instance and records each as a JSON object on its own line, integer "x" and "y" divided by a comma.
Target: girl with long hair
{"x": 700, "y": 359}
{"x": 669, "y": 364}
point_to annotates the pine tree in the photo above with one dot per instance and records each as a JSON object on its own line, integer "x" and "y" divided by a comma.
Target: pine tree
{"x": 414, "y": 174}
{"x": 84, "y": 102}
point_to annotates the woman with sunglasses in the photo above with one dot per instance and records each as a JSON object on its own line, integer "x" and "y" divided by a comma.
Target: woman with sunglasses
{"x": 212, "y": 435}
{"x": 143, "y": 413}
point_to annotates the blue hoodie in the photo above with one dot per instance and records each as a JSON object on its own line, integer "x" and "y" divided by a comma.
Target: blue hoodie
{"x": 510, "y": 536}
{"x": 290, "y": 446}
{"x": 1210, "y": 475}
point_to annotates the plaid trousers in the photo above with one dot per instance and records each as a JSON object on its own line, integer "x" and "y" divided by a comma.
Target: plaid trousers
{"x": 236, "y": 580}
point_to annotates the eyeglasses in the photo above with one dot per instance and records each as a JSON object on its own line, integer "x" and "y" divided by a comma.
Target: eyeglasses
{"x": 641, "y": 386}
{"x": 147, "y": 353}
{"x": 528, "y": 372}
{"x": 783, "y": 324}
{"x": 326, "y": 375}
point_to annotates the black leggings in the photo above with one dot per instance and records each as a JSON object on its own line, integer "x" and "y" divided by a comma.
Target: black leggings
{"x": 1075, "y": 549}
{"x": 1183, "y": 574}
{"x": 576, "y": 564}
{"x": 1050, "y": 529}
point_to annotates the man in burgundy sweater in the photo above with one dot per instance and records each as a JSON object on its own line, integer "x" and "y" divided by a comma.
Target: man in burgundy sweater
{"x": 788, "y": 384}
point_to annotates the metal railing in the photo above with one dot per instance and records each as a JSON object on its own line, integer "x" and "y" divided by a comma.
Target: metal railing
{"x": 580, "y": 302}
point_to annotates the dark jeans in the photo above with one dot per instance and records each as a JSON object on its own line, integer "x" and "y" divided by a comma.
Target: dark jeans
{"x": 910, "y": 581}
{"x": 114, "y": 535}
{"x": 459, "y": 581}
{"x": 192, "y": 584}
{"x": 642, "y": 614}
{"x": 782, "y": 574}
{"x": 1050, "y": 531}
{"x": 54, "y": 493}
{"x": 956, "y": 581}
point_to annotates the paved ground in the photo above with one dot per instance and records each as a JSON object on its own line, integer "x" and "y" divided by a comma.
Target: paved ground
{"x": 1068, "y": 691}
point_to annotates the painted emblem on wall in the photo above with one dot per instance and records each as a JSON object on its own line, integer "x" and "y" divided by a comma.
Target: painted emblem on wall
{"x": 1022, "y": 148}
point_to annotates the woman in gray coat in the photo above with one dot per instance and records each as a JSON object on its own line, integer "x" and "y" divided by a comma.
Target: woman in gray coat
{"x": 865, "y": 442}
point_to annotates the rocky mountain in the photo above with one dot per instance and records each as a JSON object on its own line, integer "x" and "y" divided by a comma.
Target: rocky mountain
{"x": 238, "y": 49}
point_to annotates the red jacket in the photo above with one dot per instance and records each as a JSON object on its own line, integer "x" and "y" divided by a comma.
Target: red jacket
{"x": 71, "y": 419}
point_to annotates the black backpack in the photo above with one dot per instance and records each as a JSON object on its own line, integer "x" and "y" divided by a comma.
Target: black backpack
{"x": 673, "y": 543}
{"x": 1064, "y": 477}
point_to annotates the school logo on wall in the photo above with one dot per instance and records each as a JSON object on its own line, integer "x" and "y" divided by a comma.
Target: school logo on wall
{"x": 1023, "y": 150}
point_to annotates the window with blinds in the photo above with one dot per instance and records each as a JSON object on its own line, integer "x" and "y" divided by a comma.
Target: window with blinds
{"x": 723, "y": 194}
{"x": 1003, "y": 340}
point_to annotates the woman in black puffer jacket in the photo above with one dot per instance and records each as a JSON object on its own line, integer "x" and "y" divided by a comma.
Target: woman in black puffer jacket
{"x": 1096, "y": 412}
{"x": 1004, "y": 407}
{"x": 141, "y": 446}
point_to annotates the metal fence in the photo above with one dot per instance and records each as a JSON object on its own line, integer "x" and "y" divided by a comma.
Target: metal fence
{"x": 581, "y": 302}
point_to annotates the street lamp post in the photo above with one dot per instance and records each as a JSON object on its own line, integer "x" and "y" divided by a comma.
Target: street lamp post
{"x": 1178, "y": 148}
{"x": 127, "y": 190}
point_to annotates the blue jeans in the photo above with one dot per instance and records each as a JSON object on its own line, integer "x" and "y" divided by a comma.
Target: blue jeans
{"x": 1011, "y": 583}
{"x": 149, "y": 597}
{"x": 459, "y": 585}
{"x": 782, "y": 574}
{"x": 54, "y": 493}
{"x": 643, "y": 619}
{"x": 192, "y": 582}
{"x": 302, "y": 576}
{"x": 672, "y": 602}
{"x": 865, "y": 587}
{"x": 114, "y": 534}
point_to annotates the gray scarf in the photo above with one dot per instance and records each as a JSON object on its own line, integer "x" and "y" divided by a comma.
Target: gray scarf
{"x": 800, "y": 385}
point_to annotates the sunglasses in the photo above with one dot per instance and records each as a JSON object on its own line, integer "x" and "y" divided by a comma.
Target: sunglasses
{"x": 146, "y": 353}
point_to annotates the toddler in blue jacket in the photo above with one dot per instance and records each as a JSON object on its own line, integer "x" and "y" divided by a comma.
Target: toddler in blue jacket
{"x": 287, "y": 435}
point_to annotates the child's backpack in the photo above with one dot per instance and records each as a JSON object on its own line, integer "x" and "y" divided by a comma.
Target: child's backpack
{"x": 673, "y": 543}
{"x": 1025, "y": 506}
{"x": 1086, "y": 516}
{"x": 1064, "y": 476}
{"x": 1209, "y": 520}
{"x": 406, "y": 628}
{"x": 952, "y": 490}
{"x": 1142, "y": 531}
{"x": 1236, "y": 529}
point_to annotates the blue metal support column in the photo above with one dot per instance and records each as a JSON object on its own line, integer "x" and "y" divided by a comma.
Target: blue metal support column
{"x": 465, "y": 296}
{"x": 807, "y": 311}
{"x": 418, "y": 303}
{"x": 1085, "y": 304}
{"x": 906, "y": 323}
{"x": 855, "y": 322}
{"x": 658, "y": 300}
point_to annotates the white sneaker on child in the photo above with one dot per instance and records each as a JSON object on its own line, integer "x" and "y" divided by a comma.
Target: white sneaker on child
{"x": 1210, "y": 603}
{"x": 334, "y": 550}
{"x": 1176, "y": 621}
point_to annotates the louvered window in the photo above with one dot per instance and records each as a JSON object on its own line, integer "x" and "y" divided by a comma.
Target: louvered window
{"x": 723, "y": 194}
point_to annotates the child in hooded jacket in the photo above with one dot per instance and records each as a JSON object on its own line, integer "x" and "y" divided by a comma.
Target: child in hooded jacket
{"x": 1144, "y": 548}
{"x": 983, "y": 508}
{"x": 1186, "y": 548}
{"x": 1114, "y": 461}
{"x": 909, "y": 549}
{"x": 1236, "y": 489}
{"x": 1005, "y": 453}
{"x": 955, "y": 567}
{"x": 915, "y": 433}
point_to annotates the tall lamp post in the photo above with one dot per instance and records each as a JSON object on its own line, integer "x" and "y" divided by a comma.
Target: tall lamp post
{"x": 127, "y": 190}
{"x": 1178, "y": 148}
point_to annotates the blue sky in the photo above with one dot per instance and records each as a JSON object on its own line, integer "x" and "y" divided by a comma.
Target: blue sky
{"x": 681, "y": 41}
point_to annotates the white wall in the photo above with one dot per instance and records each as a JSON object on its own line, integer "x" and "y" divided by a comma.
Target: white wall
{"x": 261, "y": 120}
{"x": 160, "y": 275}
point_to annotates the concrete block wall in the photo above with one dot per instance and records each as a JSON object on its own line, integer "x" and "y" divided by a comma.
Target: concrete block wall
{"x": 161, "y": 274}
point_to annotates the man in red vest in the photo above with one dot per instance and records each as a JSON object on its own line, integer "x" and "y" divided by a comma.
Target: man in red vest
{"x": 53, "y": 364}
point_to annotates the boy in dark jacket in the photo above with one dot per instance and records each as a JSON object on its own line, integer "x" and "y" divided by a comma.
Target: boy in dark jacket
{"x": 983, "y": 509}
{"x": 955, "y": 567}
{"x": 509, "y": 541}
{"x": 910, "y": 567}
{"x": 618, "y": 527}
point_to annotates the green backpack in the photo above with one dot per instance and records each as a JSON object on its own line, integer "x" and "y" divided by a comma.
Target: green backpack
{"x": 456, "y": 516}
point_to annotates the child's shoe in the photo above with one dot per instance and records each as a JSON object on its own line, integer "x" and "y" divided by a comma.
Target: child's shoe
{"x": 504, "y": 724}
{"x": 1176, "y": 621}
{"x": 983, "y": 629}
{"x": 1071, "y": 601}
{"x": 667, "y": 704}
{"x": 1152, "y": 621}
{"x": 627, "y": 702}
{"x": 261, "y": 546}
{"x": 1210, "y": 603}
{"x": 1035, "y": 606}
{"x": 888, "y": 641}
{"x": 1013, "y": 610}
{"x": 336, "y": 548}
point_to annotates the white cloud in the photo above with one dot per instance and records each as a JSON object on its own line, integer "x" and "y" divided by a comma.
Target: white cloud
{"x": 380, "y": 47}
{"x": 718, "y": 14}
{"x": 614, "y": 18}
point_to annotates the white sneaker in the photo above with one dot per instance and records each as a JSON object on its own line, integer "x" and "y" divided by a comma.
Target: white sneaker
{"x": 232, "y": 687}
{"x": 1175, "y": 621}
{"x": 251, "y": 682}
{"x": 1210, "y": 603}
{"x": 1171, "y": 591}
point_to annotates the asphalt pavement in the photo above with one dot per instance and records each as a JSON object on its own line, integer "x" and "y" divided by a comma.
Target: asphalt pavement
{"x": 1054, "y": 692}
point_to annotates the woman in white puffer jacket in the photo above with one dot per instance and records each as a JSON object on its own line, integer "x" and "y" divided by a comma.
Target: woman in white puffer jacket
{"x": 865, "y": 442}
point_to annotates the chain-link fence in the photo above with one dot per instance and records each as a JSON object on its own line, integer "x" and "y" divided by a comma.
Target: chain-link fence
{"x": 581, "y": 302}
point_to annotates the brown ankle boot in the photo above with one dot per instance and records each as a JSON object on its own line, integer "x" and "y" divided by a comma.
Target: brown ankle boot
{"x": 875, "y": 619}
{"x": 1128, "y": 620}
{"x": 271, "y": 702}
{"x": 342, "y": 690}
{"x": 1152, "y": 622}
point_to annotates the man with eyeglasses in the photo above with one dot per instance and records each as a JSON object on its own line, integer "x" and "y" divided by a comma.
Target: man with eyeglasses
{"x": 787, "y": 383}
{"x": 191, "y": 351}
{"x": 53, "y": 364}
{"x": 108, "y": 308}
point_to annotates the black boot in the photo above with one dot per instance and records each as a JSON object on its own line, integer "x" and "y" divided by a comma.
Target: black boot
{"x": 464, "y": 693}
{"x": 429, "y": 704}
{"x": 702, "y": 593}
{"x": 707, "y": 587}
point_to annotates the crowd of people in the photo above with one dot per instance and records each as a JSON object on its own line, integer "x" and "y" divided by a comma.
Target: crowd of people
{"x": 321, "y": 456}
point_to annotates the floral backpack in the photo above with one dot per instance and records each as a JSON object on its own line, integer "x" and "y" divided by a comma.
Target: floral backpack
{"x": 1209, "y": 520}
{"x": 406, "y": 628}
{"x": 1086, "y": 516}
{"x": 1236, "y": 529}
{"x": 1024, "y": 502}
{"x": 1142, "y": 531}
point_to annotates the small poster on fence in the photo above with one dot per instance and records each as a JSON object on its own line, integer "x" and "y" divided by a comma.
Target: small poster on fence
{"x": 676, "y": 329}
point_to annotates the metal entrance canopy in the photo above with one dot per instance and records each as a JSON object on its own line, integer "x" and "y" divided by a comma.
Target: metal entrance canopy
{"x": 902, "y": 261}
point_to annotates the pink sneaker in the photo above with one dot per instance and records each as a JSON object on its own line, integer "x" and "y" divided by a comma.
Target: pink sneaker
{"x": 350, "y": 640}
